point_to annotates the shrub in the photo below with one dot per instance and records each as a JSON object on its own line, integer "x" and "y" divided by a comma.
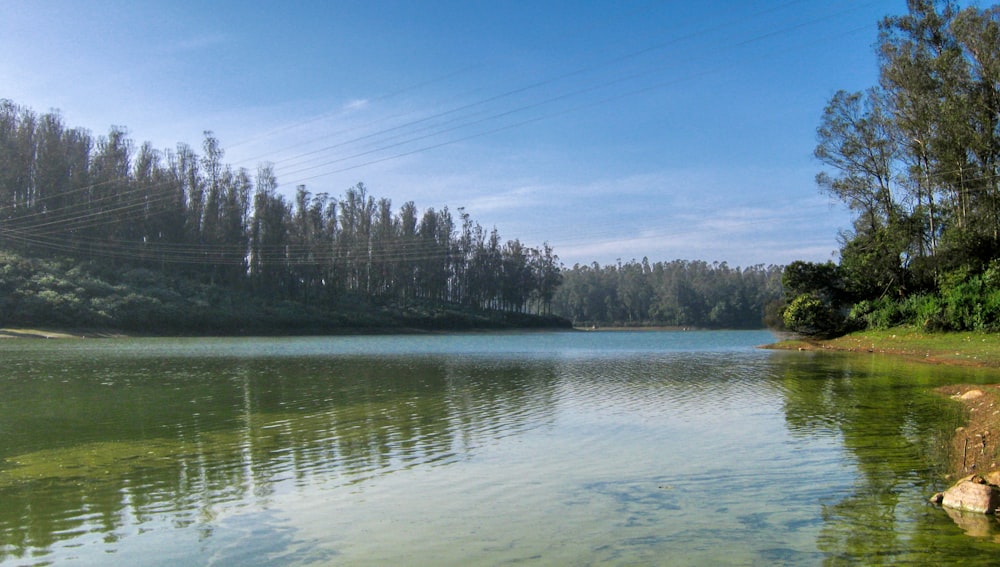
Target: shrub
{"x": 927, "y": 312}
{"x": 963, "y": 308}
{"x": 991, "y": 311}
{"x": 808, "y": 314}
{"x": 881, "y": 313}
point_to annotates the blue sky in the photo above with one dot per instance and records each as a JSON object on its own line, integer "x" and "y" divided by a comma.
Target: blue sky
{"x": 608, "y": 129}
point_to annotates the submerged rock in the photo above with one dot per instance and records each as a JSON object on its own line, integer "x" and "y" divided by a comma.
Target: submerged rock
{"x": 971, "y": 494}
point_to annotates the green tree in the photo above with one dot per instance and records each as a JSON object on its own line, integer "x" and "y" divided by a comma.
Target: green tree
{"x": 269, "y": 237}
{"x": 856, "y": 139}
{"x": 127, "y": 208}
{"x": 918, "y": 158}
{"x": 357, "y": 214}
{"x": 818, "y": 294}
{"x": 811, "y": 315}
{"x": 548, "y": 275}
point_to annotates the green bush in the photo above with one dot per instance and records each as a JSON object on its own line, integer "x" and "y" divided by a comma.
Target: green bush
{"x": 927, "y": 312}
{"x": 963, "y": 306}
{"x": 971, "y": 302}
{"x": 881, "y": 313}
{"x": 808, "y": 314}
{"x": 991, "y": 311}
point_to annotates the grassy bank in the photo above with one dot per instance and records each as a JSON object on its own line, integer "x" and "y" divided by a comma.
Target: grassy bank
{"x": 966, "y": 348}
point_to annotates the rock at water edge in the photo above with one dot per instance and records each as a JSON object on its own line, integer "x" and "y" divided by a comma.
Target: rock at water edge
{"x": 972, "y": 494}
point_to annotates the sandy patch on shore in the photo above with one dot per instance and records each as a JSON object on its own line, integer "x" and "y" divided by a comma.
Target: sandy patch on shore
{"x": 12, "y": 333}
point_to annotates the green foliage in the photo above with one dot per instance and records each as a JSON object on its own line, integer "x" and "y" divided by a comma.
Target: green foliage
{"x": 927, "y": 312}
{"x": 881, "y": 313}
{"x": 818, "y": 296}
{"x": 964, "y": 303}
{"x": 113, "y": 218}
{"x": 678, "y": 293}
{"x": 46, "y": 293}
{"x": 774, "y": 315}
{"x": 811, "y": 315}
{"x": 824, "y": 280}
{"x": 872, "y": 264}
{"x": 972, "y": 304}
{"x": 916, "y": 159}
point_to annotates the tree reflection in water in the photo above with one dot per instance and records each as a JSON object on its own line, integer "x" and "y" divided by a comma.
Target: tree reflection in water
{"x": 897, "y": 432}
{"x": 93, "y": 449}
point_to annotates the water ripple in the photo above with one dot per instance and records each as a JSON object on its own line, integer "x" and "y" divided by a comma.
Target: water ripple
{"x": 569, "y": 449}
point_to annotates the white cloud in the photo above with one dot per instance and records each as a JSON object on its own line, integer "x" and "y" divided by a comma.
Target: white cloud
{"x": 801, "y": 229}
{"x": 356, "y": 104}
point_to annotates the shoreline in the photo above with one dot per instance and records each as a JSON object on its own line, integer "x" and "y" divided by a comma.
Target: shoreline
{"x": 22, "y": 333}
{"x": 78, "y": 334}
{"x": 975, "y": 446}
{"x": 980, "y": 350}
{"x": 637, "y": 328}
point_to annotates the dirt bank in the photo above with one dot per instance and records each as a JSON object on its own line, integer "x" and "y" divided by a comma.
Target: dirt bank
{"x": 975, "y": 446}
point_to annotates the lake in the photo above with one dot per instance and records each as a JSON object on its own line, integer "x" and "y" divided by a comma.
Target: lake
{"x": 588, "y": 448}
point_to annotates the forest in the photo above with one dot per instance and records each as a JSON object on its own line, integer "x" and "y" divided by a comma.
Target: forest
{"x": 103, "y": 232}
{"x": 677, "y": 294}
{"x": 917, "y": 158}
{"x": 99, "y": 232}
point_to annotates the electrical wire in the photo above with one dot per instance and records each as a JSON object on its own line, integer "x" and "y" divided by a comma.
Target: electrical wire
{"x": 110, "y": 208}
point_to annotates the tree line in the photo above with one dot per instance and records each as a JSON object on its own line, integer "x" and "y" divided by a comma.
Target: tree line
{"x": 66, "y": 193}
{"x": 678, "y": 293}
{"x": 917, "y": 158}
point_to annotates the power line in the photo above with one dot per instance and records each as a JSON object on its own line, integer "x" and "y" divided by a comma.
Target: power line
{"x": 546, "y": 82}
{"x": 107, "y": 207}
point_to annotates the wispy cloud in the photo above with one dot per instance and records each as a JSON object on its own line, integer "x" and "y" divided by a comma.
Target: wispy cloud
{"x": 803, "y": 229}
{"x": 520, "y": 198}
{"x": 356, "y": 104}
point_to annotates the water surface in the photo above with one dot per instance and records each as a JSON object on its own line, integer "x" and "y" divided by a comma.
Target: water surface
{"x": 673, "y": 448}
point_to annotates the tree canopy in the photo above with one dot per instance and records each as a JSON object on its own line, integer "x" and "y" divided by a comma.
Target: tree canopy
{"x": 678, "y": 293}
{"x": 110, "y": 201}
{"x": 917, "y": 158}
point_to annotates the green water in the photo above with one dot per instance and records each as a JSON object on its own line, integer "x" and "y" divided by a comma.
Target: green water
{"x": 653, "y": 448}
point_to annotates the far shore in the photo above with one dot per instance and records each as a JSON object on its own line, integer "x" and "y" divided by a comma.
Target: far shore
{"x": 637, "y": 328}
{"x": 76, "y": 334}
